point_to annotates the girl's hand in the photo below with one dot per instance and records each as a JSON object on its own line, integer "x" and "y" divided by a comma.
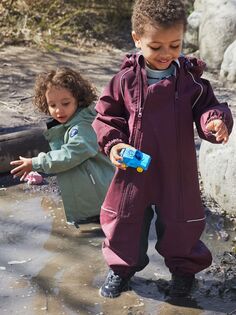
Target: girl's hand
{"x": 219, "y": 129}
{"x": 115, "y": 156}
{"x": 24, "y": 166}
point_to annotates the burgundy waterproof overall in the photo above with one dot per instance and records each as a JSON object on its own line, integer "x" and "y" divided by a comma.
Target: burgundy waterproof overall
{"x": 160, "y": 123}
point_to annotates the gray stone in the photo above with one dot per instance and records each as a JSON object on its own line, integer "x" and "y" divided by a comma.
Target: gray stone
{"x": 191, "y": 35}
{"x": 217, "y": 30}
{"x": 198, "y": 5}
{"x": 228, "y": 66}
{"x": 211, "y": 30}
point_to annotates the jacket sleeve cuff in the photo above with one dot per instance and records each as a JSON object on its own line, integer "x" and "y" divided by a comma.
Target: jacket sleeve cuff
{"x": 35, "y": 164}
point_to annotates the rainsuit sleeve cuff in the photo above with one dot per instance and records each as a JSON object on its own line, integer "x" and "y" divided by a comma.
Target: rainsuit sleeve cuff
{"x": 110, "y": 144}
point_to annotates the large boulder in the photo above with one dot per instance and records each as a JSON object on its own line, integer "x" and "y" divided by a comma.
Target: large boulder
{"x": 199, "y": 5}
{"x": 228, "y": 66}
{"x": 217, "y": 30}
{"x": 191, "y": 35}
{"x": 218, "y": 171}
{"x": 213, "y": 24}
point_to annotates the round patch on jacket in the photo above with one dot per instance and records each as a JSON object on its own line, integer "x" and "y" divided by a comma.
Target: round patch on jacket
{"x": 73, "y": 132}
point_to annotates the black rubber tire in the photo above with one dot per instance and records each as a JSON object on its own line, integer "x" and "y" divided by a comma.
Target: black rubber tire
{"x": 27, "y": 143}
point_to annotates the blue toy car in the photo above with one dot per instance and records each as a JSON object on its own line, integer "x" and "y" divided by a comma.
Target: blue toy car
{"x": 135, "y": 158}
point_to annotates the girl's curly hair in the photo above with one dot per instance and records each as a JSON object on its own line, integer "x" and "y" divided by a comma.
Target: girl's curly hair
{"x": 163, "y": 13}
{"x": 63, "y": 77}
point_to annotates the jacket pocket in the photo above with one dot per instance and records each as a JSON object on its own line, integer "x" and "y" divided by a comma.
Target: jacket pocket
{"x": 93, "y": 182}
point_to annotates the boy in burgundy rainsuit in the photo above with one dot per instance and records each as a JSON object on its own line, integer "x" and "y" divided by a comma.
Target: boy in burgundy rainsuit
{"x": 151, "y": 105}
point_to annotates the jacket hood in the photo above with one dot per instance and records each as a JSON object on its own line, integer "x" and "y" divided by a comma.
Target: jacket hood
{"x": 85, "y": 114}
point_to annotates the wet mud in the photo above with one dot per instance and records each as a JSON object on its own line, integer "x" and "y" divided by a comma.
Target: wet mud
{"x": 49, "y": 267}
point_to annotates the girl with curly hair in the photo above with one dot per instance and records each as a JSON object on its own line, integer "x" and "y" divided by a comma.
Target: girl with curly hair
{"x": 83, "y": 172}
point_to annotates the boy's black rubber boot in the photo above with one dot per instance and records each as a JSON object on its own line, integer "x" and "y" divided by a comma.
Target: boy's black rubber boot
{"x": 114, "y": 285}
{"x": 181, "y": 285}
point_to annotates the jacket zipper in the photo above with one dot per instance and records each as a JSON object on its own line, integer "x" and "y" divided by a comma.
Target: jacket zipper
{"x": 92, "y": 178}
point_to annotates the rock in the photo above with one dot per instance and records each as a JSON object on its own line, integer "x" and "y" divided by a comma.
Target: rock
{"x": 218, "y": 171}
{"x": 191, "y": 35}
{"x": 198, "y": 5}
{"x": 217, "y": 30}
{"x": 212, "y": 28}
{"x": 228, "y": 66}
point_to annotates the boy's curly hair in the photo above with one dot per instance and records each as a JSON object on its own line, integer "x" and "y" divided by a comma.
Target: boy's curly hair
{"x": 63, "y": 77}
{"x": 163, "y": 13}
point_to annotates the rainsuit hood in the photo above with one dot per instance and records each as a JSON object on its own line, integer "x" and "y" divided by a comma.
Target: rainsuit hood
{"x": 192, "y": 64}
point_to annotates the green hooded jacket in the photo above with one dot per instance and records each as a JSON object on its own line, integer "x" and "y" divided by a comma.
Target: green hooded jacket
{"x": 83, "y": 172}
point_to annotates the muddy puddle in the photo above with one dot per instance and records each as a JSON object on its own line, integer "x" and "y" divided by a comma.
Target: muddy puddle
{"x": 48, "y": 267}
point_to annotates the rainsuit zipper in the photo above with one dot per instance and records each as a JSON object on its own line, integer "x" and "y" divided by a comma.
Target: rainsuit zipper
{"x": 137, "y": 131}
{"x": 127, "y": 196}
{"x": 179, "y": 214}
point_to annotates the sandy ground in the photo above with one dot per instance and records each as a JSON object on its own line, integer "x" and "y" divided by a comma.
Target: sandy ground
{"x": 19, "y": 67}
{"x": 48, "y": 267}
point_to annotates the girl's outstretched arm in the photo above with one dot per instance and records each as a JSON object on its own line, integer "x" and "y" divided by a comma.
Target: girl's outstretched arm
{"x": 23, "y": 167}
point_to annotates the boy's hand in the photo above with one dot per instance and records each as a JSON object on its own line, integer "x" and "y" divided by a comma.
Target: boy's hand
{"x": 115, "y": 156}
{"x": 219, "y": 129}
{"x": 24, "y": 166}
